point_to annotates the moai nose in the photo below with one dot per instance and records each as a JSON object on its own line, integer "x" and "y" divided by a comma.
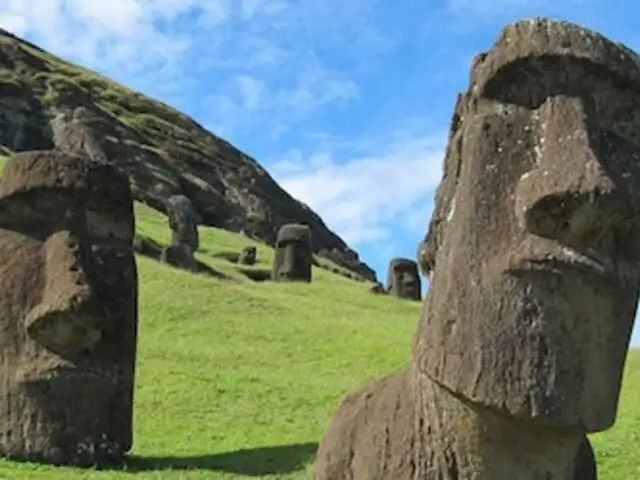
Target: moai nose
{"x": 569, "y": 195}
{"x": 69, "y": 318}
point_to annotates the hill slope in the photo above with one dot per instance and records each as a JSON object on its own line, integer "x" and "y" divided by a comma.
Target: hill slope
{"x": 46, "y": 101}
{"x": 238, "y": 379}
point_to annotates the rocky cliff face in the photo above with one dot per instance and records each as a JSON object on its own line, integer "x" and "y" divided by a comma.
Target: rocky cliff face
{"x": 46, "y": 102}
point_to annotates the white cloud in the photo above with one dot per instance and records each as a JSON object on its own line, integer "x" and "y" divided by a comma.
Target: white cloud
{"x": 13, "y": 23}
{"x": 263, "y": 54}
{"x": 512, "y": 6}
{"x": 276, "y": 102}
{"x": 251, "y": 90}
{"x": 368, "y": 197}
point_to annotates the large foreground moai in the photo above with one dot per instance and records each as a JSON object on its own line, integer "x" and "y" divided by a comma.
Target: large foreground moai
{"x": 525, "y": 330}
{"x": 183, "y": 222}
{"x": 68, "y": 310}
{"x": 292, "y": 261}
{"x": 403, "y": 279}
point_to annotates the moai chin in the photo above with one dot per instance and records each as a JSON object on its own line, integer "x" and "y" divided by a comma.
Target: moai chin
{"x": 292, "y": 261}
{"x": 403, "y": 279}
{"x": 68, "y": 310}
{"x": 535, "y": 263}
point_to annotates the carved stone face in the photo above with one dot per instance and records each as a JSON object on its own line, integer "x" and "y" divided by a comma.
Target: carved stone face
{"x": 183, "y": 221}
{"x": 403, "y": 279}
{"x": 293, "y": 254}
{"x": 536, "y": 283}
{"x": 68, "y": 310}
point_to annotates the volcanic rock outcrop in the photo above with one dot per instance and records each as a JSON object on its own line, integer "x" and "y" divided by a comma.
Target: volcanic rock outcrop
{"x": 48, "y": 103}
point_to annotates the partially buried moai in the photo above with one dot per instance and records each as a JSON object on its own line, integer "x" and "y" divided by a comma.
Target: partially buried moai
{"x": 183, "y": 222}
{"x": 68, "y": 310}
{"x": 248, "y": 255}
{"x": 403, "y": 279}
{"x": 292, "y": 261}
{"x": 524, "y": 333}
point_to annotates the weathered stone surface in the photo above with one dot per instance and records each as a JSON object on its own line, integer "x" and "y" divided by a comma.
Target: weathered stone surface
{"x": 403, "y": 279}
{"x": 292, "y": 260}
{"x": 183, "y": 221}
{"x": 148, "y": 247}
{"x": 45, "y": 102}
{"x": 179, "y": 256}
{"x": 68, "y": 310}
{"x": 423, "y": 259}
{"x": 73, "y": 134}
{"x": 535, "y": 275}
{"x": 248, "y": 255}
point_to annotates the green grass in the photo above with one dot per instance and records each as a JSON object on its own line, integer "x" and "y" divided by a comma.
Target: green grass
{"x": 238, "y": 379}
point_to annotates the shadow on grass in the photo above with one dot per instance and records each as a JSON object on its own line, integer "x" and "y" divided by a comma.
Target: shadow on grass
{"x": 257, "y": 461}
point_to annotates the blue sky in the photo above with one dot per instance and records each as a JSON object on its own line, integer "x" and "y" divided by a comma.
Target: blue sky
{"x": 345, "y": 102}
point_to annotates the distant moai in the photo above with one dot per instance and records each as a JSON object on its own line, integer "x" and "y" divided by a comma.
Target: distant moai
{"x": 248, "y": 255}
{"x": 403, "y": 279}
{"x": 509, "y": 370}
{"x": 183, "y": 218}
{"x": 68, "y": 310}
{"x": 292, "y": 261}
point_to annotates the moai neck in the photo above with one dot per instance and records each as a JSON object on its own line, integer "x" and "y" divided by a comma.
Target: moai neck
{"x": 466, "y": 442}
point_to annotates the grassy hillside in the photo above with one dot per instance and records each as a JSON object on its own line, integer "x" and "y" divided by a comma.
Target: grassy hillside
{"x": 160, "y": 148}
{"x": 238, "y": 379}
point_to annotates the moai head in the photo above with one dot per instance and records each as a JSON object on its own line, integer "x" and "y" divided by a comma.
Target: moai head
{"x": 68, "y": 310}
{"x": 292, "y": 260}
{"x": 536, "y": 232}
{"x": 248, "y": 255}
{"x": 183, "y": 220}
{"x": 403, "y": 279}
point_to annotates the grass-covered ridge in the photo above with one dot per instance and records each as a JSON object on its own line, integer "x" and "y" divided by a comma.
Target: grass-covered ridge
{"x": 160, "y": 148}
{"x": 238, "y": 379}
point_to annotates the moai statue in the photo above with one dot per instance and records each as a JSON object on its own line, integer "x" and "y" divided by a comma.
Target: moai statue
{"x": 183, "y": 220}
{"x": 248, "y": 255}
{"x": 292, "y": 260}
{"x": 535, "y": 229}
{"x": 68, "y": 310}
{"x": 377, "y": 288}
{"x": 403, "y": 279}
